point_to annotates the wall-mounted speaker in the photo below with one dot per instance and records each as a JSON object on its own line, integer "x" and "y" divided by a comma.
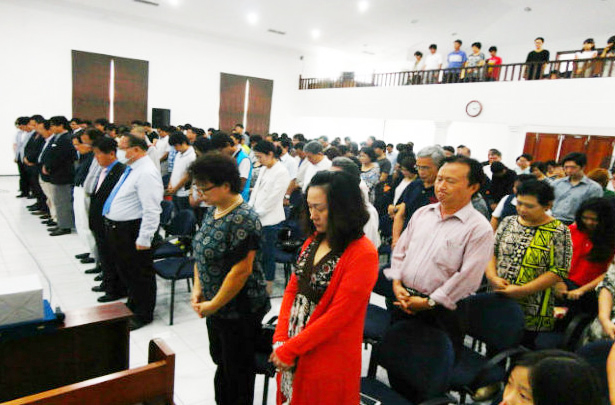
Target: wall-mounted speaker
{"x": 161, "y": 117}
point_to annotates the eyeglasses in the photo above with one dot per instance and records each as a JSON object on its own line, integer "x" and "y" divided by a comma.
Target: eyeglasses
{"x": 422, "y": 167}
{"x": 202, "y": 190}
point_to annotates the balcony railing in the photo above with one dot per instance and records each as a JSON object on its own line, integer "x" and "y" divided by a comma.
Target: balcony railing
{"x": 559, "y": 69}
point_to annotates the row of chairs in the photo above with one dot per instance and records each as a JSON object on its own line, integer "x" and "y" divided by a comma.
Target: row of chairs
{"x": 494, "y": 326}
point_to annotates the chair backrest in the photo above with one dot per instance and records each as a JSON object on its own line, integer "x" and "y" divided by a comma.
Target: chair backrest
{"x": 493, "y": 319}
{"x": 418, "y": 358}
{"x": 168, "y": 209}
{"x": 383, "y": 285}
{"x": 596, "y": 354}
{"x": 183, "y": 224}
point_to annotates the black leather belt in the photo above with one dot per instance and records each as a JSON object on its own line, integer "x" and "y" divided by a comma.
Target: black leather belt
{"x": 415, "y": 293}
{"x": 120, "y": 224}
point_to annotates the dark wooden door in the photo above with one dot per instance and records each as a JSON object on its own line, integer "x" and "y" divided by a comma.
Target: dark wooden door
{"x": 573, "y": 143}
{"x": 546, "y": 148}
{"x": 130, "y": 95}
{"x": 530, "y": 143}
{"x": 90, "y": 85}
{"x": 259, "y": 105}
{"x": 599, "y": 152}
{"x": 232, "y": 101}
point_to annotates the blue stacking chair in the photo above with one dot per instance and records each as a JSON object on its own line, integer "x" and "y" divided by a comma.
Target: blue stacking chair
{"x": 419, "y": 362}
{"x": 596, "y": 354}
{"x": 377, "y": 321}
{"x": 174, "y": 269}
{"x": 182, "y": 226}
{"x": 497, "y": 322}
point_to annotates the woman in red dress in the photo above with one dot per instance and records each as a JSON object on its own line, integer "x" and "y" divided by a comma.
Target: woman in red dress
{"x": 317, "y": 342}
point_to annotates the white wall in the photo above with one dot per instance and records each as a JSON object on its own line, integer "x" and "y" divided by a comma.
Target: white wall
{"x": 184, "y": 69}
{"x": 436, "y": 113}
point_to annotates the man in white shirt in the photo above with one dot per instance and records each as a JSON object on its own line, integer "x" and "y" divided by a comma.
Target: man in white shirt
{"x": 291, "y": 164}
{"x": 131, "y": 217}
{"x": 152, "y": 152}
{"x": 316, "y": 161}
{"x": 392, "y": 156}
{"x": 163, "y": 148}
{"x": 433, "y": 61}
{"x": 179, "y": 177}
{"x": 493, "y": 155}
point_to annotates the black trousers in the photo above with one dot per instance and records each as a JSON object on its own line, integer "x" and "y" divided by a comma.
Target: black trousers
{"x": 35, "y": 188}
{"x": 232, "y": 348}
{"x": 135, "y": 267}
{"x": 24, "y": 183}
{"x": 110, "y": 277}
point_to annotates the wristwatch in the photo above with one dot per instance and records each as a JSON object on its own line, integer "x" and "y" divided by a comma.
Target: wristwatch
{"x": 287, "y": 196}
{"x": 432, "y": 304}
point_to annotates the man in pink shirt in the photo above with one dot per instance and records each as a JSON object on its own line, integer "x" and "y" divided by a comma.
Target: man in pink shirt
{"x": 441, "y": 256}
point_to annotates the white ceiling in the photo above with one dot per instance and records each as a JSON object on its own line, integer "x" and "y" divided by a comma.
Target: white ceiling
{"x": 389, "y": 29}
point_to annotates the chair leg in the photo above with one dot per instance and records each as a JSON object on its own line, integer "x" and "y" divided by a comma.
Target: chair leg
{"x": 188, "y": 280}
{"x": 286, "y": 273}
{"x": 172, "y": 301}
{"x": 373, "y": 362}
{"x": 265, "y": 389}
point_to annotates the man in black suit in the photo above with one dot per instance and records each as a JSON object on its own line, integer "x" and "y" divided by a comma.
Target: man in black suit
{"x": 105, "y": 149}
{"x": 57, "y": 163}
{"x": 32, "y": 150}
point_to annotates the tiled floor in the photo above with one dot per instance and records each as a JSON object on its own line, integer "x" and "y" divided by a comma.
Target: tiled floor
{"x": 26, "y": 247}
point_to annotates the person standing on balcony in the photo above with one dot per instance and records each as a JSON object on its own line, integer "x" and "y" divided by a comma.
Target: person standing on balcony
{"x": 493, "y": 63}
{"x": 456, "y": 60}
{"x": 433, "y": 61}
{"x": 585, "y": 68}
{"x": 475, "y": 63}
{"x": 536, "y": 60}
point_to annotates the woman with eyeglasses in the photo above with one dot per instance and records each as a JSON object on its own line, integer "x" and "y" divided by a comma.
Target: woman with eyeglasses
{"x": 229, "y": 286}
{"x": 317, "y": 342}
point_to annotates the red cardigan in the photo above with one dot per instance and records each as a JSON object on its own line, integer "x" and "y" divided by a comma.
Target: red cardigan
{"x": 328, "y": 350}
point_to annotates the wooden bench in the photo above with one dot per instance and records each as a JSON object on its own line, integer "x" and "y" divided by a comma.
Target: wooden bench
{"x": 152, "y": 384}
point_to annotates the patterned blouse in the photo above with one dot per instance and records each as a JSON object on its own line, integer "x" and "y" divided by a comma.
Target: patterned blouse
{"x": 524, "y": 253}
{"x": 220, "y": 244}
{"x": 312, "y": 282}
{"x": 371, "y": 178}
{"x": 595, "y": 330}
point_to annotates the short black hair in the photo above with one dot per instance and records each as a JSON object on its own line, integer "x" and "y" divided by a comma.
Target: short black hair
{"x": 343, "y": 196}
{"x": 409, "y": 163}
{"x": 541, "y": 38}
{"x": 221, "y": 140}
{"x": 147, "y": 124}
{"x": 542, "y": 166}
{"x": 497, "y": 167}
{"x": 527, "y": 157}
{"x": 553, "y": 163}
{"x": 267, "y": 147}
{"x": 22, "y": 121}
{"x": 135, "y": 141}
{"x": 493, "y": 49}
{"x": 239, "y": 125}
{"x": 449, "y": 148}
{"x": 178, "y": 138}
{"x": 495, "y": 152}
{"x": 476, "y": 175}
{"x": 418, "y": 53}
{"x": 477, "y": 44}
{"x": 369, "y": 151}
{"x": 541, "y": 190}
{"x": 560, "y": 377}
{"x": 433, "y": 46}
{"x": 217, "y": 169}
{"x": 105, "y": 144}
{"x": 324, "y": 138}
{"x": 255, "y": 138}
{"x": 576, "y": 157}
{"x": 58, "y": 120}
{"x": 459, "y": 41}
{"x": 37, "y": 118}
{"x": 379, "y": 144}
{"x": 93, "y": 134}
{"x": 299, "y": 146}
{"x": 237, "y": 136}
{"x": 286, "y": 143}
{"x": 101, "y": 121}
{"x": 202, "y": 144}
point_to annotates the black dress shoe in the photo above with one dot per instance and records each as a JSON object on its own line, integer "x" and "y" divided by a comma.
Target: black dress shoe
{"x": 99, "y": 288}
{"x": 31, "y": 206}
{"x": 46, "y": 216}
{"x": 109, "y": 298}
{"x": 88, "y": 260}
{"x": 39, "y": 213}
{"x": 22, "y": 195}
{"x": 53, "y": 228}
{"x": 135, "y": 323}
{"x": 98, "y": 277}
{"x": 60, "y": 232}
{"x": 49, "y": 222}
{"x": 31, "y": 197}
{"x": 94, "y": 270}
{"x": 82, "y": 256}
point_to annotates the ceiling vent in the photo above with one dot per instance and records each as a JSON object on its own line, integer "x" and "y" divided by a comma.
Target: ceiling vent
{"x": 276, "y": 32}
{"x": 149, "y": 3}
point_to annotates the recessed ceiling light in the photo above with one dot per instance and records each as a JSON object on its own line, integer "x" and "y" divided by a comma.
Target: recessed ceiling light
{"x": 315, "y": 34}
{"x": 252, "y": 18}
{"x": 454, "y": 33}
{"x": 363, "y": 6}
{"x": 528, "y": 9}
